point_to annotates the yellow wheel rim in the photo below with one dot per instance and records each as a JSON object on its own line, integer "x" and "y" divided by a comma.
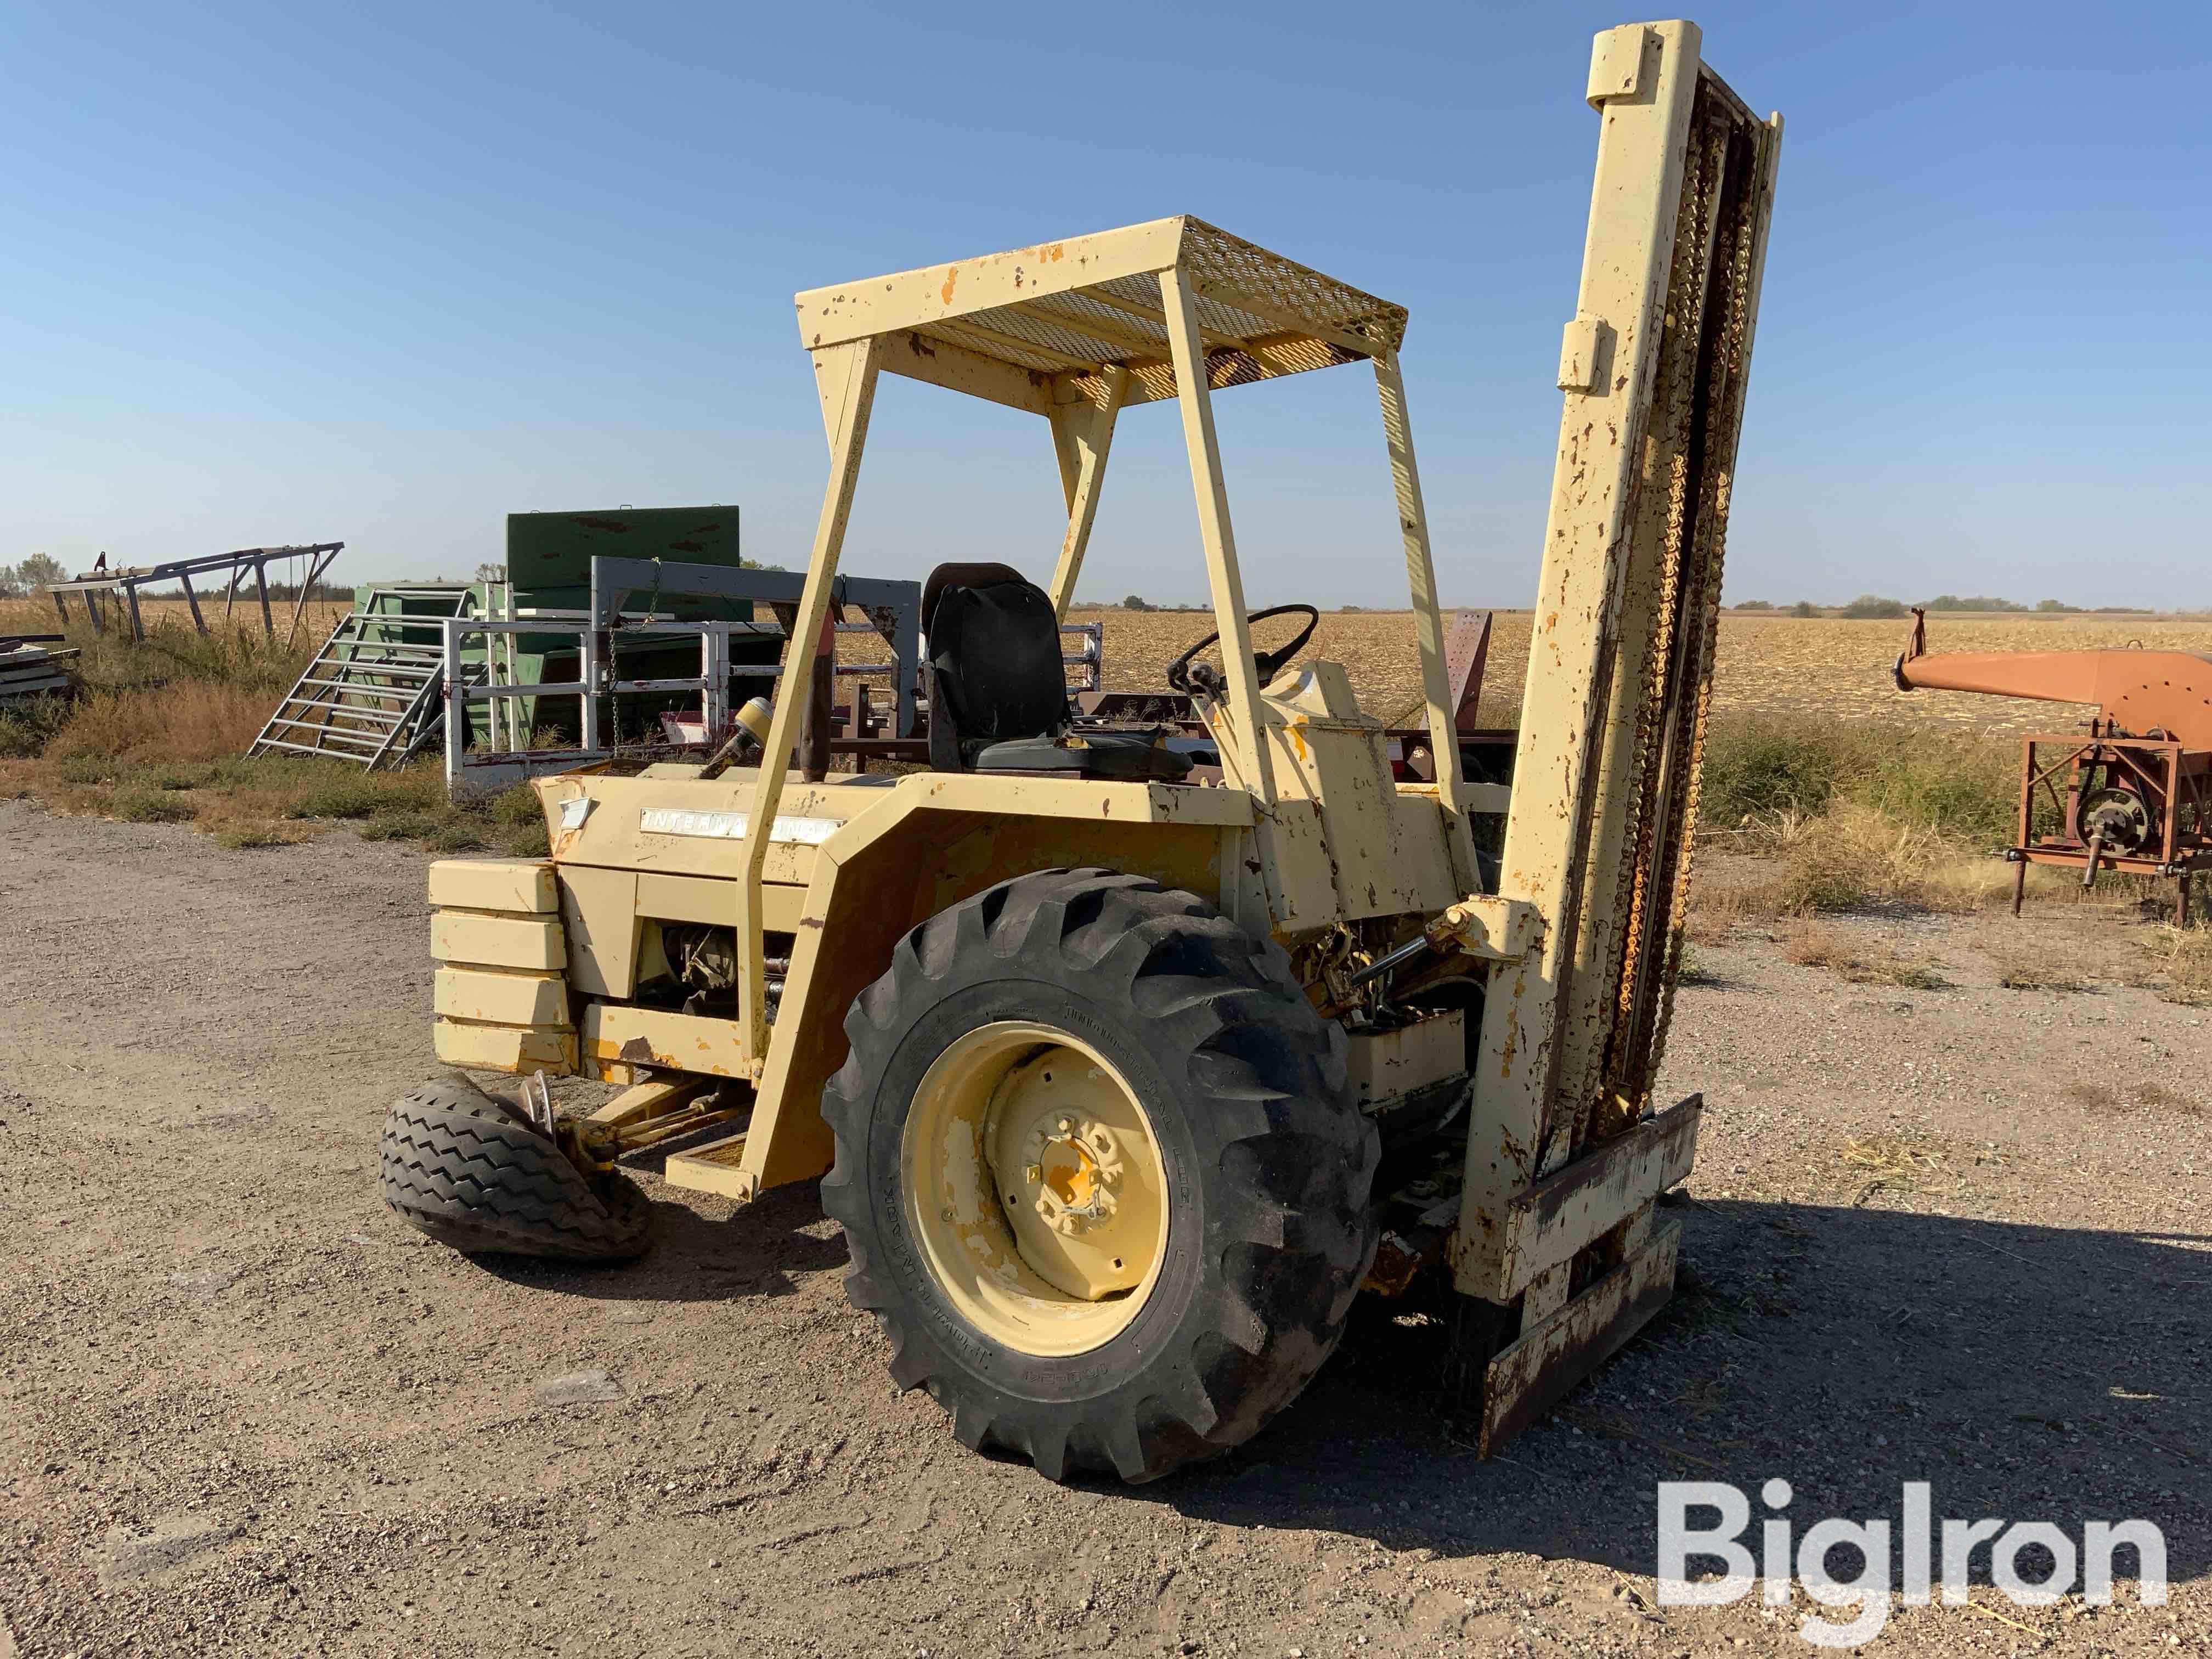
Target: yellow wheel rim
{"x": 1032, "y": 1183}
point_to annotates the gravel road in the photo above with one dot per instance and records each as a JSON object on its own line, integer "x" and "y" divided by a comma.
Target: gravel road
{"x": 246, "y": 1412}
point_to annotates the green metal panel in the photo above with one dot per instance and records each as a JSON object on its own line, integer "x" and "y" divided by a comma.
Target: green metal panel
{"x": 550, "y": 551}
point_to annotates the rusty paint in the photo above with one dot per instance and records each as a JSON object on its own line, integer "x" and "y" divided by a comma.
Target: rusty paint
{"x": 1547, "y": 1225}
{"x": 636, "y": 1051}
{"x": 1512, "y": 1042}
{"x": 1526, "y": 1378}
{"x": 1396, "y": 1261}
{"x": 1673, "y": 1132}
{"x": 951, "y": 276}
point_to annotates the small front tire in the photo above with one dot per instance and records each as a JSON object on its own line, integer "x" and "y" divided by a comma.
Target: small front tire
{"x": 471, "y": 1171}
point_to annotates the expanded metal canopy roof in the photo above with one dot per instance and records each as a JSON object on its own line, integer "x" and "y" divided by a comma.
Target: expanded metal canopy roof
{"x": 1008, "y": 326}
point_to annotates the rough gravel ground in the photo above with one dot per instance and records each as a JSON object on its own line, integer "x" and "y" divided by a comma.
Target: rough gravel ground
{"x": 246, "y": 1412}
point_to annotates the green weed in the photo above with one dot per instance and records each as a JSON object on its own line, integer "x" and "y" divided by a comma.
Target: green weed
{"x": 152, "y": 806}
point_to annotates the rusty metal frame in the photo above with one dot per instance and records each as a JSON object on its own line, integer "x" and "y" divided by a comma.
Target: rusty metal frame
{"x": 315, "y": 559}
{"x": 2180, "y": 778}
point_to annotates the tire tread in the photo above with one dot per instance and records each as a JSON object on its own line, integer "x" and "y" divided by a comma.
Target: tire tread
{"x": 459, "y": 1167}
{"x": 1268, "y": 1071}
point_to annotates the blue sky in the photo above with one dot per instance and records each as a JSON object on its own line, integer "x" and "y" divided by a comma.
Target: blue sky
{"x": 385, "y": 274}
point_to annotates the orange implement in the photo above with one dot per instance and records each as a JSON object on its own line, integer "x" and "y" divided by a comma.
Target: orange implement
{"x": 2138, "y": 692}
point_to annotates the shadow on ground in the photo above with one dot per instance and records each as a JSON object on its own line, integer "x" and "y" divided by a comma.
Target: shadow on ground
{"x": 760, "y": 1251}
{"x": 2026, "y": 1372}
{"x": 2030, "y": 1373}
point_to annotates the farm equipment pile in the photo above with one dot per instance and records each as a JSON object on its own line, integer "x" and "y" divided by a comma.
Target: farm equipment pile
{"x": 1124, "y": 1081}
{"x": 29, "y": 669}
{"x": 2134, "y": 794}
{"x": 615, "y": 632}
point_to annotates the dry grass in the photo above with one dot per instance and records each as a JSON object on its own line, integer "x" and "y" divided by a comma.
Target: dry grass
{"x": 2188, "y": 967}
{"x": 36, "y": 616}
{"x": 1862, "y": 961}
{"x": 1900, "y": 1163}
{"x": 1859, "y": 796}
{"x": 236, "y": 653}
{"x": 1715, "y": 912}
{"x": 241, "y": 835}
{"x": 194, "y": 720}
{"x": 275, "y": 801}
{"x": 1855, "y": 857}
{"x": 157, "y": 734}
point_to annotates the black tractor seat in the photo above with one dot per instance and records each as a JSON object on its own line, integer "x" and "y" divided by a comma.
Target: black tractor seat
{"x": 997, "y": 690}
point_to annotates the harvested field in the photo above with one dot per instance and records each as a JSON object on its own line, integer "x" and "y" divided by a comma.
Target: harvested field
{"x": 1808, "y": 763}
{"x": 37, "y": 615}
{"x": 1376, "y": 648}
{"x": 1787, "y": 666}
{"x": 1766, "y": 664}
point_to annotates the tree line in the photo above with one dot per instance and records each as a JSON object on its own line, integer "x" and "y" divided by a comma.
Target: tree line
{"x": 34, "y": 575}
{"x": 1875, "y": 607}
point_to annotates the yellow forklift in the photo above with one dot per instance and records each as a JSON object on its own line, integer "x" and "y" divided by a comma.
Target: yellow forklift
{"x": 1123, "y": 1084}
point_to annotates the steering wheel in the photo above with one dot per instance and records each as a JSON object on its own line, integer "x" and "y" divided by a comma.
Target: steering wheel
{"x": 1269, "y": 663}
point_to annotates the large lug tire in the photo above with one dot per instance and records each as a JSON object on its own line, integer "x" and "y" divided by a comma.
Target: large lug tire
{"x": 1077, "y": 1009}
{"x": 472, "y": 1172}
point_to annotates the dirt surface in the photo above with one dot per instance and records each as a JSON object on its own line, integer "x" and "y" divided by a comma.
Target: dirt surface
{"x": 246, "y": 1412}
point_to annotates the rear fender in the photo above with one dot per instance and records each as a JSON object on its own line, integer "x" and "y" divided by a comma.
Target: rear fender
{"x": 885, "y": 875}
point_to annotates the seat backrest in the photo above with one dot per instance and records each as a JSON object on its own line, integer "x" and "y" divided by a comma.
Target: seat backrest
{"x": 994, "y": 661}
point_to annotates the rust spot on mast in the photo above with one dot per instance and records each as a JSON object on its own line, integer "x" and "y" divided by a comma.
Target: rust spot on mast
{"x": 951, "y": 276}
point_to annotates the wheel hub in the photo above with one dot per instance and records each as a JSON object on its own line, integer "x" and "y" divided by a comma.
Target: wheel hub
{"x": 1075, "y": 1168}
{"x": 1035, "y": 1187}
{"x": 2120, "y": 817}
